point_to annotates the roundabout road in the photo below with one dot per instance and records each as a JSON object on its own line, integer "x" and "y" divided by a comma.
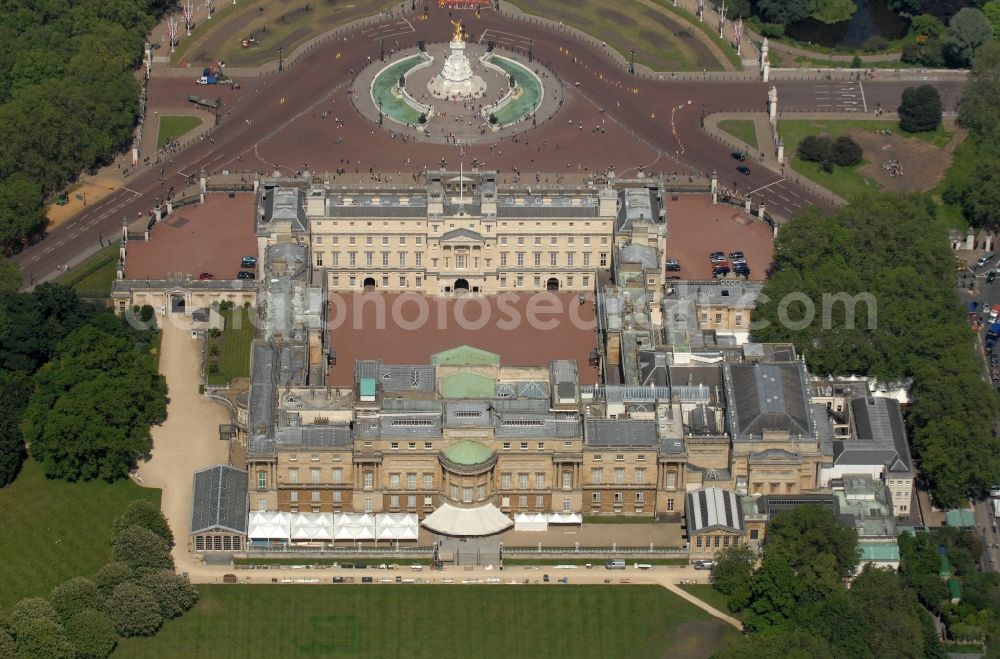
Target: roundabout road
{"x": 611, "y": 118}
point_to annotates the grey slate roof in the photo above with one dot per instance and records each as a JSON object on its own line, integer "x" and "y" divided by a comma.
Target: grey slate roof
{"x": 283, "y": 205}
{"x": 642, "y": 254}
{"x": 713, "y": 508}
{"x": 220, "y": 500}
{"x": 261, "y": 408}
{"x": 338, "y": 435}
{"x": 407, "y": 378}
{"x": 768, "y": 396}
{"x": 636, "y": 205}
{"x": 620, "y": 432}
{"x": 879, "y": 437}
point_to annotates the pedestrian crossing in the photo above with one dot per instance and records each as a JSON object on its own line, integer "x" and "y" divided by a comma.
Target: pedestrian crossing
{"x": 847, "y": 96}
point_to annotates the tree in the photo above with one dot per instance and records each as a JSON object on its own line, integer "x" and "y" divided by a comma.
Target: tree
{"x": 815, "y": 544}
{"x": 147, "y": 515}
{"x": 967, "y": 31}
{"x": 991, "y": 10}
{"x": 733, "y": 574}
{"x": 75, "y": 595}
{"x": 846, "y": 152}
{"x": 894, "y": 623}
{"x": 920, "y": 110}
{"x": 10, "y": 276}
{"x": 133, "y": 610}
{"x": 111, "y": 575}
{"x": 778, "y": 643}
{"x": 775, "y": 594}
{"x": 7, "y": 646}
{"x": 92, "y": 633}
{"x": 785, "y": 11}
{"x": 172, "y": 591}
{"x": 815, "y": 148}
{"x": 11, "y": 449}
{"x": 141, "y": 549}
{"x": 979, "y": 107}
{"x": 31, "y": 608}
{"x": 833, "y": 11}
{"x": 42, "y": 638}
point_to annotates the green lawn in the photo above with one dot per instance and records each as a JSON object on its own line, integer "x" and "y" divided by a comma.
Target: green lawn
{"x": 234, "y": 347}
{"x": 627, "y": 25}
{"x": 741, "y": 129}
{"x": 712, "y": 597}
{"x": 52, "y": 530}
{"x": 374, "y": 621}
{"x": 173, "y": 127}
{"x": 94, "y": 277}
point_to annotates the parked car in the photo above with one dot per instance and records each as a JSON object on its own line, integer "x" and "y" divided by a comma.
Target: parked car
{"x": 248, "y": 262}
{"x": 743, "y": 170}
{"x": 672, "y": 265}
{"x": 735, "y": 256}
{"x": 741, "y": 269}
{"x": 990, "y": 277}
{"x": 720, "y": 271}
{"x": 717, "y": 257}
{"x": 245, "y": 274}
{"x": 740, "y": 155}
{"x": 704, "y": 565}
{"x": 206, "y": 275}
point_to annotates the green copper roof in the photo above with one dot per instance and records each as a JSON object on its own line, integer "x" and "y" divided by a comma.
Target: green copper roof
{"x": 878, "y": 551}
{"x": 466, "y": 356}
{"x": 468, "y": 452}
{"x": 467, "y": 385}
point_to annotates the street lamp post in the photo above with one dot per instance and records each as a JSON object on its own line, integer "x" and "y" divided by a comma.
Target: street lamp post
{"x": 281, "y": 60}
{"x": 631, "y": 62}
{"x": 380, "y": 112}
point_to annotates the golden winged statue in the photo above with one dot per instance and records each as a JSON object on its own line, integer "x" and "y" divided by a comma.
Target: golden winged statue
{"x": 457, "y": 36}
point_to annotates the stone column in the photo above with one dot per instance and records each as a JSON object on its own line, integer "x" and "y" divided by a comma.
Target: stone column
{"x": 746, "y": 204}
{"x": 158, "y": 213}
{"x": 781, "y": 151}
{"x": 170, "y": 207}
{"x": 715, "y": 187}
{"x": 760, "y": 210}
{"x": 772, "y": 105}
{"x": 202, "y": 181}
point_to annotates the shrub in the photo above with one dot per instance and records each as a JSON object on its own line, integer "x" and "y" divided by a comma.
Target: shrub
{"x": 75, "y": 595}
{"x": 111, "y": 575}
{"x": 42, "y": 638}
{"x": 875, "y": 43}
{"x": 133, "y": 610}
{"x": 146, "y": 515}
{"x": 29, "y": 609}
{"x": 856, "y": 62}
{"x": 140, "y": 548}
{"x": 815, "y": 148}
{"x": 173, "y": 592}
{"x": 920, "y": 110}
{"x": 7, "y": 646}
{"x": 846, "y": 152}
{"x": 92, "y": 633}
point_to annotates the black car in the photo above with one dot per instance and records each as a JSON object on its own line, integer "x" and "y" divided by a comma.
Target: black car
{"x": 672, "y": 265}
{"x": 736, "y": 256}
{"x": 743, "y": 170}
{"x": 245, "y": 274}
{"x": 740, "y": 155}
{"x": 248, "y": 262}
{"x": 990, "y": 277}
{"x": 741, "y": 269}
{"x": 720, "y": 271}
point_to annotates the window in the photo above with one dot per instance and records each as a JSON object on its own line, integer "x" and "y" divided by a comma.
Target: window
{"x": 402, "y": 259}
{"x": 539, "y": 481}
{"x": 541, "y": 446}
{"x": 338, "y": 476}
{"x": 620, "y": 457}
{"x": 553, "y": 258}
{"x": 402, "y": 282}
{"x": 411, "y": 481}
{"x": 480, "y": 492}
{"x": 538, "y": 240}
{"x": 586, "y": 280}
{"x": 411, "y": 446}
{"x": 503, "y": 240}
{"x": 503, "y": 259}
{"x": 428, "y": 481}
{"x": 538, "y": 282}
{"x": 716, "y": 541}
{"x": 755, "y": 534}
{"x": 314, "y": 475}
{"x": 418, "y": 259}
{"x": 319, "y": 259}
{"x": 537, "y": 256}
{"x": 461, "y": 261}
{"x": 336, "y": 258}
{"x": 394, "y": 501}
{"x": 262, "y": 504}
{"x": 368, "y": 506}
{"x": 385, "y": 240}
{"x": 640, "y": 476}
{"x": 428, "y": 446}
{"x": 598, "y": 458}
{"x": 671, "y": 480}
{"x": 368, "y": 240}
{"x": 394, "y": 481}
{"x": 520, "y": 240}
{"x": 522, "y": 481}
{"x": 402, "y": 240}
{"x": 505, "y": 481}
{"x": 619, "y": 476}
{"x": 698, "y": 541}
{"x": 293, "y": 476}
{"x": 618, "y": 497}
{"x": 569, "y": 259}
{"x": 520, "y": 259}
{"x": 369, "y": 258}
{"x": 604, "y": 259}
{"x": 506, "y": 446}
{"x": 567, "y": 480}
{"x": 454, "y": 492}
{"x": 293, "y": 496}
{"x": 725, "y": 541}
{"x": 522, "y": 501}
{"x": 394, "y": 445}
{"x": 670, "y": 505}
{"x": 595, "y": 475}
{"x": 569, "y": 280}
{"x": 314, "y": 458}
{"x": 604, "y": 240}
{"x": 369, "y": 480}
{"x": 524, "y": 446}
{"x": 315, "y": 496}
{"x": 519, "y": 282}
{"x": 261, "y": 480}
{"x": 385, "y": 282}
{"x": 739, "y": 320}
{"x": 352, "y": 240}
{"x": 639, "y": 496}
{"x": 411, "y": 501}
{"x": 566, "y": 507}
{"x": 641, "y": 457}
{"x": 595, "y": 497}
{"x": 352, "y": 259}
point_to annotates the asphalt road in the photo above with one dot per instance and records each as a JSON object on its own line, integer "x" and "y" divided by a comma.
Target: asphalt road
{"x": 271, "y": 111}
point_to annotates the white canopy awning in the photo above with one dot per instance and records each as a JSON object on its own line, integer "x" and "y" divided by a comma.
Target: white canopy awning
{"x": 270, "y": 525}
{"x": 565, "y": 518}
{"x": 353, "y": 526}
{"x": 531, "y": 522}
{"x": 312, "y": 526}
{"x": 397, "y": 526}
{"x": 479, "y": 521}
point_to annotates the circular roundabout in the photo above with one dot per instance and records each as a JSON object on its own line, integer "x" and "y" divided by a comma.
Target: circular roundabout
{"x": 457, "y": 92}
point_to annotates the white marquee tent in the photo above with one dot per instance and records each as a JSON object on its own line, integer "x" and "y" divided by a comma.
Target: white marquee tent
{"x": 397, "y": 526}
{"x": 531, "y": 522}
{"x": 565, "y": 518}
{"x": 479, "y": 521}
{"x": 353, "y": 526}
{"x": 312, "y": 527}
{"x": 270, "y": 525}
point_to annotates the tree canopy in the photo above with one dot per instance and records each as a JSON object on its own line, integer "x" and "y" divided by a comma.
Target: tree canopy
{"x": 920, "y": 110}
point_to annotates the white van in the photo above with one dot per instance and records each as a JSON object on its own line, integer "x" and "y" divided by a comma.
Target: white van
{"x": 615, "y": 564}
{"x": 985, "y": 258}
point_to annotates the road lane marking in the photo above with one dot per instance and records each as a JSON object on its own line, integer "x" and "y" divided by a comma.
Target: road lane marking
{"x": 766, "y": 186}
{"x": 862, "y": 88}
